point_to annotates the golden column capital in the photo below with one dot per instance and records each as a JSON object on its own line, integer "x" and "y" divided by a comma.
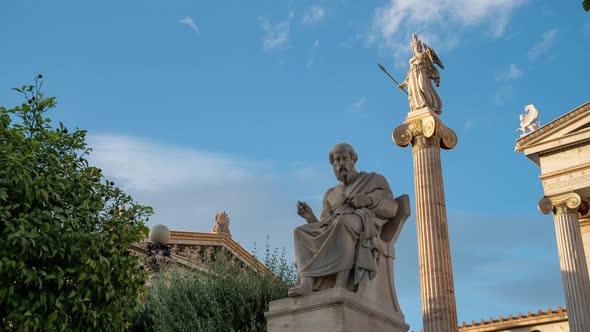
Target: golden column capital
{"x": 560, "y": 204}
{"x": 426, "y": 130}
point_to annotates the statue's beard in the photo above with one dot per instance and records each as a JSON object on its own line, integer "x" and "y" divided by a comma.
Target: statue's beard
{"x": 344, "y": 175}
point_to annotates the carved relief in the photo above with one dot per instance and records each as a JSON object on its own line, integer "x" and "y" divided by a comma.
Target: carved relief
{"x": 566, "y": 183}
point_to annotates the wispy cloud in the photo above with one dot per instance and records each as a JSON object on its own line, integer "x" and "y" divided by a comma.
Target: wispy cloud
{"x": 315, "y": 14}
{"x": 503, "y": 95}
{"x": 544, "y": 45}
{"x": 510, "y": 73}
{"x": 188, "y": 21}
{"x": 438, "y": 22}
{"x": 358, "y": 106}
{"x": 313, "y": 53}
{"x": 188, "y": 186}
{"x": 124, "y": 157}
{"x": 275, "y": 36}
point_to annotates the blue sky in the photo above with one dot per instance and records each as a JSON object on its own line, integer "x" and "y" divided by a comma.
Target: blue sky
{"x": 199, "y": 107}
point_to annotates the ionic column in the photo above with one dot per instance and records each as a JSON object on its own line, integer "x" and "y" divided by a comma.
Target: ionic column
{"x": 572, "y": 259}
{"x": 427, "y": 135}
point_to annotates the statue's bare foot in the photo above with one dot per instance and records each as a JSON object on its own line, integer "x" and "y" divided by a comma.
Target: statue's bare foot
{"x": 299, "y": 291}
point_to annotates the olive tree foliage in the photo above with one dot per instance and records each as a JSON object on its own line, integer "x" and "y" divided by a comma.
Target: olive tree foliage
{"x": 66, "y": 230}
{"x": 230, "y": 297}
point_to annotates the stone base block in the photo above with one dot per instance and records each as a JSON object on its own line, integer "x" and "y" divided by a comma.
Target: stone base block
{"x": 335, "y": 310}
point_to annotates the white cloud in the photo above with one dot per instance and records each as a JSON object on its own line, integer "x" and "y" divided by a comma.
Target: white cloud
{"x": 511, "y": 73}
{"x": 359, "y": 104}
{"x": 187, "y": 187}
{"x": 544, "y": 45}
{"x": 358, "y": 107}
{"x": 188, "y": 21}
{"x": 315, "y": 14}
{"x": 438, "y": 22}
{"x": 313, "y": 53}
{"x": 275, "y": 36}
{"x": 503, "y": 95}
{"x": 147, "y": 166}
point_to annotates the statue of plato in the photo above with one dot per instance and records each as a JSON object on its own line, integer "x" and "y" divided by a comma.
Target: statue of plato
{"x": 350, "y": 245}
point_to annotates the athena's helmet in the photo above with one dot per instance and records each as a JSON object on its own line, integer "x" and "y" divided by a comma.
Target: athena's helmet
{"x": 416, "y": 43}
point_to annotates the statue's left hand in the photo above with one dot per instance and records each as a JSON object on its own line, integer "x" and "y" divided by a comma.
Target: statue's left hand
{"x": 360, "y": 200}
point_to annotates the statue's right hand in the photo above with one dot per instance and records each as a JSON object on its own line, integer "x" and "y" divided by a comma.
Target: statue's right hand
{"x": 303, "y": 208}
{"x": 305, "y": 211}
{"x": 400, "y": 86}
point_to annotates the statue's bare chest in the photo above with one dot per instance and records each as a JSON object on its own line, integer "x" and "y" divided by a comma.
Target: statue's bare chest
{"x": 336, "y": 198}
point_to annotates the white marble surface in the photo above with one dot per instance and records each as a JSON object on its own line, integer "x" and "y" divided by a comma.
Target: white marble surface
{"x": 336, "y": 310}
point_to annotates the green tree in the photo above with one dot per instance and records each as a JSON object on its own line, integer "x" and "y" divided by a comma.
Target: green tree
{"x": 230, "y": 297}
{"x": 66, "y": 230}
{"x": 586, "y": 5}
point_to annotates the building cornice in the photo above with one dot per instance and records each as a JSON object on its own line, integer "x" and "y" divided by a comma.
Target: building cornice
{"x": 501, "y": 323}
{"x": 219, "y": 239}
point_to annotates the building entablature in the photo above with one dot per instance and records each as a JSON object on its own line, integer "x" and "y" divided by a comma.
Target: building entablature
{"x": 512, "y": 323}
{"x": 561, "y": 148}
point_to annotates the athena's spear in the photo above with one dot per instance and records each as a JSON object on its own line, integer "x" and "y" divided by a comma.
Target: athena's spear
{"x": 393, "y": 79}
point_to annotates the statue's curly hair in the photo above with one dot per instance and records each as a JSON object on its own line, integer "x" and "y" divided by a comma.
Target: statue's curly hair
{"x": 345, "y": 146}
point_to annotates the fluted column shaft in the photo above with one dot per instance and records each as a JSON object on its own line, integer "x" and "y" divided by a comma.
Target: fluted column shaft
{"x": 574, "y": 271}
{"x": 439, "y": 310}
{"x": 427, "y": 134}
{"x": 572, "y": 258}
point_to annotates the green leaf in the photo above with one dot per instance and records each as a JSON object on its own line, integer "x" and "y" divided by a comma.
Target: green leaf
{"x": 52, "y": 317}
{"x": 49, "y": 198}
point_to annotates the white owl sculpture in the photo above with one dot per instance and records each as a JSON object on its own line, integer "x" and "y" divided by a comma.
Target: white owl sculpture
{"x": 528, "y": 121}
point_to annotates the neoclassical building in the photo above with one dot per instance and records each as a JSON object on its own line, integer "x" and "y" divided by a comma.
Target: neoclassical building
{"x": 196, "y": 249}
{"x": 561, "y": 149}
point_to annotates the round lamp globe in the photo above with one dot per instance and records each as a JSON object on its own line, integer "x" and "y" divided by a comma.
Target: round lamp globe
{"x": 159, "y": 234}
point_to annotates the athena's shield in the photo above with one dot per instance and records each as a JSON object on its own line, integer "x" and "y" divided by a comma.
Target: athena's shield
{"x": 433, "y": 57}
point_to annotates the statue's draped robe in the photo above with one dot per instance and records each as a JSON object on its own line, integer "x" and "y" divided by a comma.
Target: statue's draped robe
{"x": 421, "y": 93}
{"x": 345, "y": 238}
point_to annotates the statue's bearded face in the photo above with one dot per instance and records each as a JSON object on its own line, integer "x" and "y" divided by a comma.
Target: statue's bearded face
{"x": 343, "y": 166}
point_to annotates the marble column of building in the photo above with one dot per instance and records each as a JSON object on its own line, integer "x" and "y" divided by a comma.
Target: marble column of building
{"x": 572, "y": 259}
{"x": 427, "y": 135}
{"x": 585, "y": 229}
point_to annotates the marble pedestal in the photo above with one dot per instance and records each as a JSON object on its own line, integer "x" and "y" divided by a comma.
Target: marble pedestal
{"x": 336, "y": 309}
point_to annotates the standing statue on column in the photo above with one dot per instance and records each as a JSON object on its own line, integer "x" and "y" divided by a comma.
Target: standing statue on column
{"x": 422, "y": 72}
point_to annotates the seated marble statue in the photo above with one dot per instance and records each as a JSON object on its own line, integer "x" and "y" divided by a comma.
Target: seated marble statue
{"x": 350, "y": 245}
